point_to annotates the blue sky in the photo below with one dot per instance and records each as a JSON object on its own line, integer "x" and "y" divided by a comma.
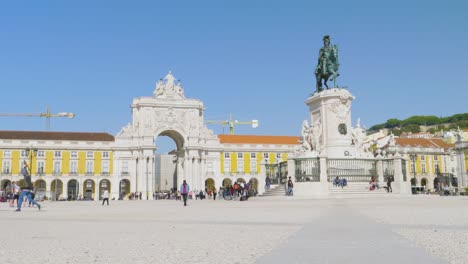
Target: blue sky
{"x": 254, "y": 59}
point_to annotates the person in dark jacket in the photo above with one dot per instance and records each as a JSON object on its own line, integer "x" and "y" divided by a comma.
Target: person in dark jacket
{"x": 26, "y": 189}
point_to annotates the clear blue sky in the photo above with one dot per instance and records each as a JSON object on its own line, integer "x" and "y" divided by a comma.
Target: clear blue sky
{"x": 254, "y": 59}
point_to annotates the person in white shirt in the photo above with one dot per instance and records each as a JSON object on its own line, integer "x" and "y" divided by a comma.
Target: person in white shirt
{"x": 105, "y": 197}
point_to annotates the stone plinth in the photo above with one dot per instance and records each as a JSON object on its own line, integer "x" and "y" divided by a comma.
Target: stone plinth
{"x": 331, "y": 111}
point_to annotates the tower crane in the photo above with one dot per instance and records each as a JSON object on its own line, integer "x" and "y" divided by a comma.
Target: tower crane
{"x": 231, "y": 123}
{"x": 47, "y": 115}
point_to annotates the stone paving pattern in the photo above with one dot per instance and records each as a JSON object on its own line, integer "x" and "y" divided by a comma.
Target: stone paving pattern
{"x": 395, "y": 229}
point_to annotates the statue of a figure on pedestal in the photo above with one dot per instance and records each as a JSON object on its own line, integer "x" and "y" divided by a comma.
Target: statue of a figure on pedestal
{"x": 327, "y": 65}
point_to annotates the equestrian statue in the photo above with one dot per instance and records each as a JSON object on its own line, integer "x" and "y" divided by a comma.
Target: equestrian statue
{"x": 327, "y": 64}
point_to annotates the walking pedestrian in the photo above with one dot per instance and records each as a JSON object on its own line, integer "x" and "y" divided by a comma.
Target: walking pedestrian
{"x": 389, "y": 184}
{"x": 184, "y": 190}
{"x": 26, "y": 189}
{"x": 105, "y": 197}
{"x": 290, "y": 187}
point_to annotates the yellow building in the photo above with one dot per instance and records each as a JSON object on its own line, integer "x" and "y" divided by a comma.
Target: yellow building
{"x": 65, "y": 165}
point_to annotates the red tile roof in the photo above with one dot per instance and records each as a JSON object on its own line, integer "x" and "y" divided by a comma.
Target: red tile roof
{"x": 72, "y": 136}
{"x": 423, "y": 142}
{"x": 255, "y": 139}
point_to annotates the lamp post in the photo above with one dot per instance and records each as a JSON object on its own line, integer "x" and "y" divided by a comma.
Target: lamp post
{"x": 30, "y": 153}
{"x": 413, "y": 157}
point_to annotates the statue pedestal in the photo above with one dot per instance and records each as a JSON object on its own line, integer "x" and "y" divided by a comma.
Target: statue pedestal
{"x": 332, "y": 109}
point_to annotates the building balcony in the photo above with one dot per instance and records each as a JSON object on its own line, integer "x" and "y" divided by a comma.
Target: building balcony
{"x": 6, "y": 173}
{"x": 124, "y": 173}
{"x": 89, "y": 173}
{"x": 105, "y": 173}
{"x": 73, "y": 173}
{"x": 40, "y": 173}
{"x": 57, "y": 173}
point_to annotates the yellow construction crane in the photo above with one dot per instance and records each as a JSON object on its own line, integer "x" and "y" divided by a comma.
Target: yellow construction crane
{"x": 231, "y": 123}
{"x": 47, "y": 115}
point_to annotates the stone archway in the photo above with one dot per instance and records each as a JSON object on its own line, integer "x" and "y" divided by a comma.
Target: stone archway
{"x": 56, "y": 188}
{"x": 104, "y": 185}
{"x": 239, "y": 180}
{"x": 4, "y": 185}
{"x": 88, "y": 189}
{"x": 424, "y": 182}
{"x": 253, "y": 182}
{"x": 41, "y": 189}
{"x": 72, "y": 189}
{"x": 413, "y": 181}
{"x": 167, "y": 113}
{"x": 227, "y": 182}
{"x": 169, "y": 168}
{"x": 124, "y": 188}
{"x": 210, "y": 184}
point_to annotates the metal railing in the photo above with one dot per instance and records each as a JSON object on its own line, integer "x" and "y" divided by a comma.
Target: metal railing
{"x": 353, "y": 170}
{"x": 105, "y": 173}
{"x": 57, "y": 173}
{"x": 6, "y": 173}
{"x": 124, "y": 173}
{"x": 73, "y": 173}
{"x": 388, "y": 169}
{"x": 307, "y": 170}
{"x": 89, "y": 173}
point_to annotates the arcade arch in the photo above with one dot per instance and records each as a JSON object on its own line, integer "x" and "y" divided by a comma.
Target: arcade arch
{"x": 210, "y": 184}
{"x": 72, "y": 189}
{"x": 104, "y": 185}
{"x": 88, "y": 189}
{"x": 56, "y": 189}
{"x": 41, "y": 189}
{"x": 168, "y": 165}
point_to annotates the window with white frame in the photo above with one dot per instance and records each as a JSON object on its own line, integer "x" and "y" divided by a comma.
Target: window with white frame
{"x": 23, "y": 154}
{"x": 40, "y": 153}
{"x": 265, "y": 155}
{"x": 423, "y": 157}
{"x": 226, "y": 155}
{"x": 105, "y": 154}
{"x": 227, "y": 166}
{"x": 253, "y": 155}
{"x": 209, "y": 166}
{"x": 57, "y": 166}
{"x": 74, "y": 154}
{"x": 89, "y": 154}
{"x": 105, "y": 166}
{"x": 436, "y": 168}
{"x": 125, "y": 166}
{"x": 278, "y": 155}
{"x": 253, "y": 166}
{"x": 7, "y": 154}
{"x": 436, "y": 157}
{"x": 89, "y": 167}
{"x": 57, "y": 154}
{"x": 74, "y": 167}
{"x": 423, "y": 168}
{"x": 40, "y": 167}
{"x": 412, "y": 165}
{"x": 6, "y": 168}
{"x": 240, "y": 155}
{"x": 240, "y": 165}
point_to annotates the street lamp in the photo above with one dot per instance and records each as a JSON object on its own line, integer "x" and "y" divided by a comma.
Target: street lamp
{"x": 33, "y": 152}
{"x": 413, "y": 157}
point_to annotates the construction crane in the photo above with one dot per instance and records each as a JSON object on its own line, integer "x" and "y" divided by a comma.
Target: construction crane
{"x": 47, "y": 115}
{"x": 231, "y": 123}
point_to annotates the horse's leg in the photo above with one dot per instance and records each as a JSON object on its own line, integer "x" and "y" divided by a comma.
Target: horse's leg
{"x": 325, "y": 79}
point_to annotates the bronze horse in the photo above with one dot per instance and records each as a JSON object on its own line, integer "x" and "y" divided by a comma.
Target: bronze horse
{"x": 328, "y": 67}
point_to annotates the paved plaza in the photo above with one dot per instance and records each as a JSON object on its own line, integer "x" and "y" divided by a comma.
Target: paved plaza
{"x": 387, "y": 229}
